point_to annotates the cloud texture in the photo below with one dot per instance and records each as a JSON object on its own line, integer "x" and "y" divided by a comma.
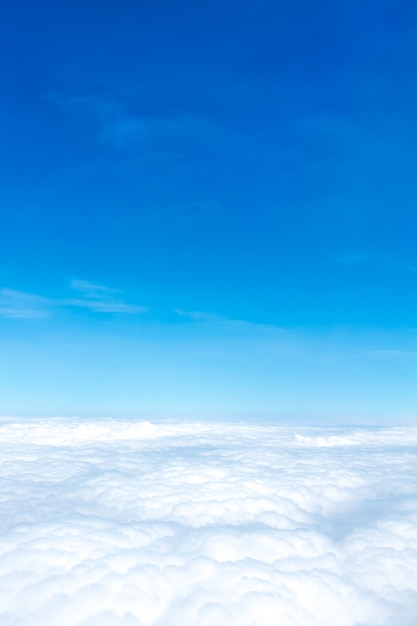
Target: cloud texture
{"x": 113, "y": 523}
{"x": 97, "y": 298}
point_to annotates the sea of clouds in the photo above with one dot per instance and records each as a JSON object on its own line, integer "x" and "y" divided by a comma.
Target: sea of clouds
{"x": 124, "y": 523}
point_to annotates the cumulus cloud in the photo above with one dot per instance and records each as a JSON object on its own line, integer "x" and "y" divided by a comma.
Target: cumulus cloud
{"x": 127, "y": 523}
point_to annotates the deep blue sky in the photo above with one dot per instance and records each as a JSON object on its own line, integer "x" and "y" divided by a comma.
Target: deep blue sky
{"x": 203, "y": 204}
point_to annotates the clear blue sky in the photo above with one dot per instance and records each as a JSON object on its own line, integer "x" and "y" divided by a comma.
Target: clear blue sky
{"x": 209, "y": 208}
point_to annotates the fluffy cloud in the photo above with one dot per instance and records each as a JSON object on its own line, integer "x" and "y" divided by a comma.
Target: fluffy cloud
{"x": 137, "y": 524}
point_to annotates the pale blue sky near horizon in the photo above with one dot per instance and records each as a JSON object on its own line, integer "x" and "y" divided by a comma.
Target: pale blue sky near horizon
{"x": 209, "y": 209}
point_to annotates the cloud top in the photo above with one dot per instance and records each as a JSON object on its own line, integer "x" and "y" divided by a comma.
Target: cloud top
{"x": 132, "y": 523}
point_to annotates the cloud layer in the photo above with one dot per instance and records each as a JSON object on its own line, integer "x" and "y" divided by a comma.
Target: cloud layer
{"x": 136, "y": 524}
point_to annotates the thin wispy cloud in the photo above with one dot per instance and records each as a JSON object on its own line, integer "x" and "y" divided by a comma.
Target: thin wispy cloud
{"x": 216, "y": 321}
{"x": 96, "y": 298}
{"x": 355, "y": 257}
{"x": 101, "y": 299}
{"x": 385, "y": 261}
{"x": 91, "y": 290}
{"x": 200, "y": 316}
{"x": 106, "y": 116}
{"x": 20, "y": 304}
{"x": 106, "y": 306}
{"x": 115, "y": 126}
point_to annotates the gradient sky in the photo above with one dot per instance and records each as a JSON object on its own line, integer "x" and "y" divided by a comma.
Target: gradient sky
{"x": 209, "y": 208}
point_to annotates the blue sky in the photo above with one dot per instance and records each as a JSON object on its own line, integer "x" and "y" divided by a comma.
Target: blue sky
{"x": 208, "y": 209}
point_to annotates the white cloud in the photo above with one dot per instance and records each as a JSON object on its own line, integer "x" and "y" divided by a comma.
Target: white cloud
{"x": 91, "y": 290}
{"x": 131, "y": 523}
{"x": 101, "y": 299}
{"x": 97, "y": 298}
{"x": 200, "y": 316}
{"x": 106, "y": 306}
{"x": 19, "y": 304}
